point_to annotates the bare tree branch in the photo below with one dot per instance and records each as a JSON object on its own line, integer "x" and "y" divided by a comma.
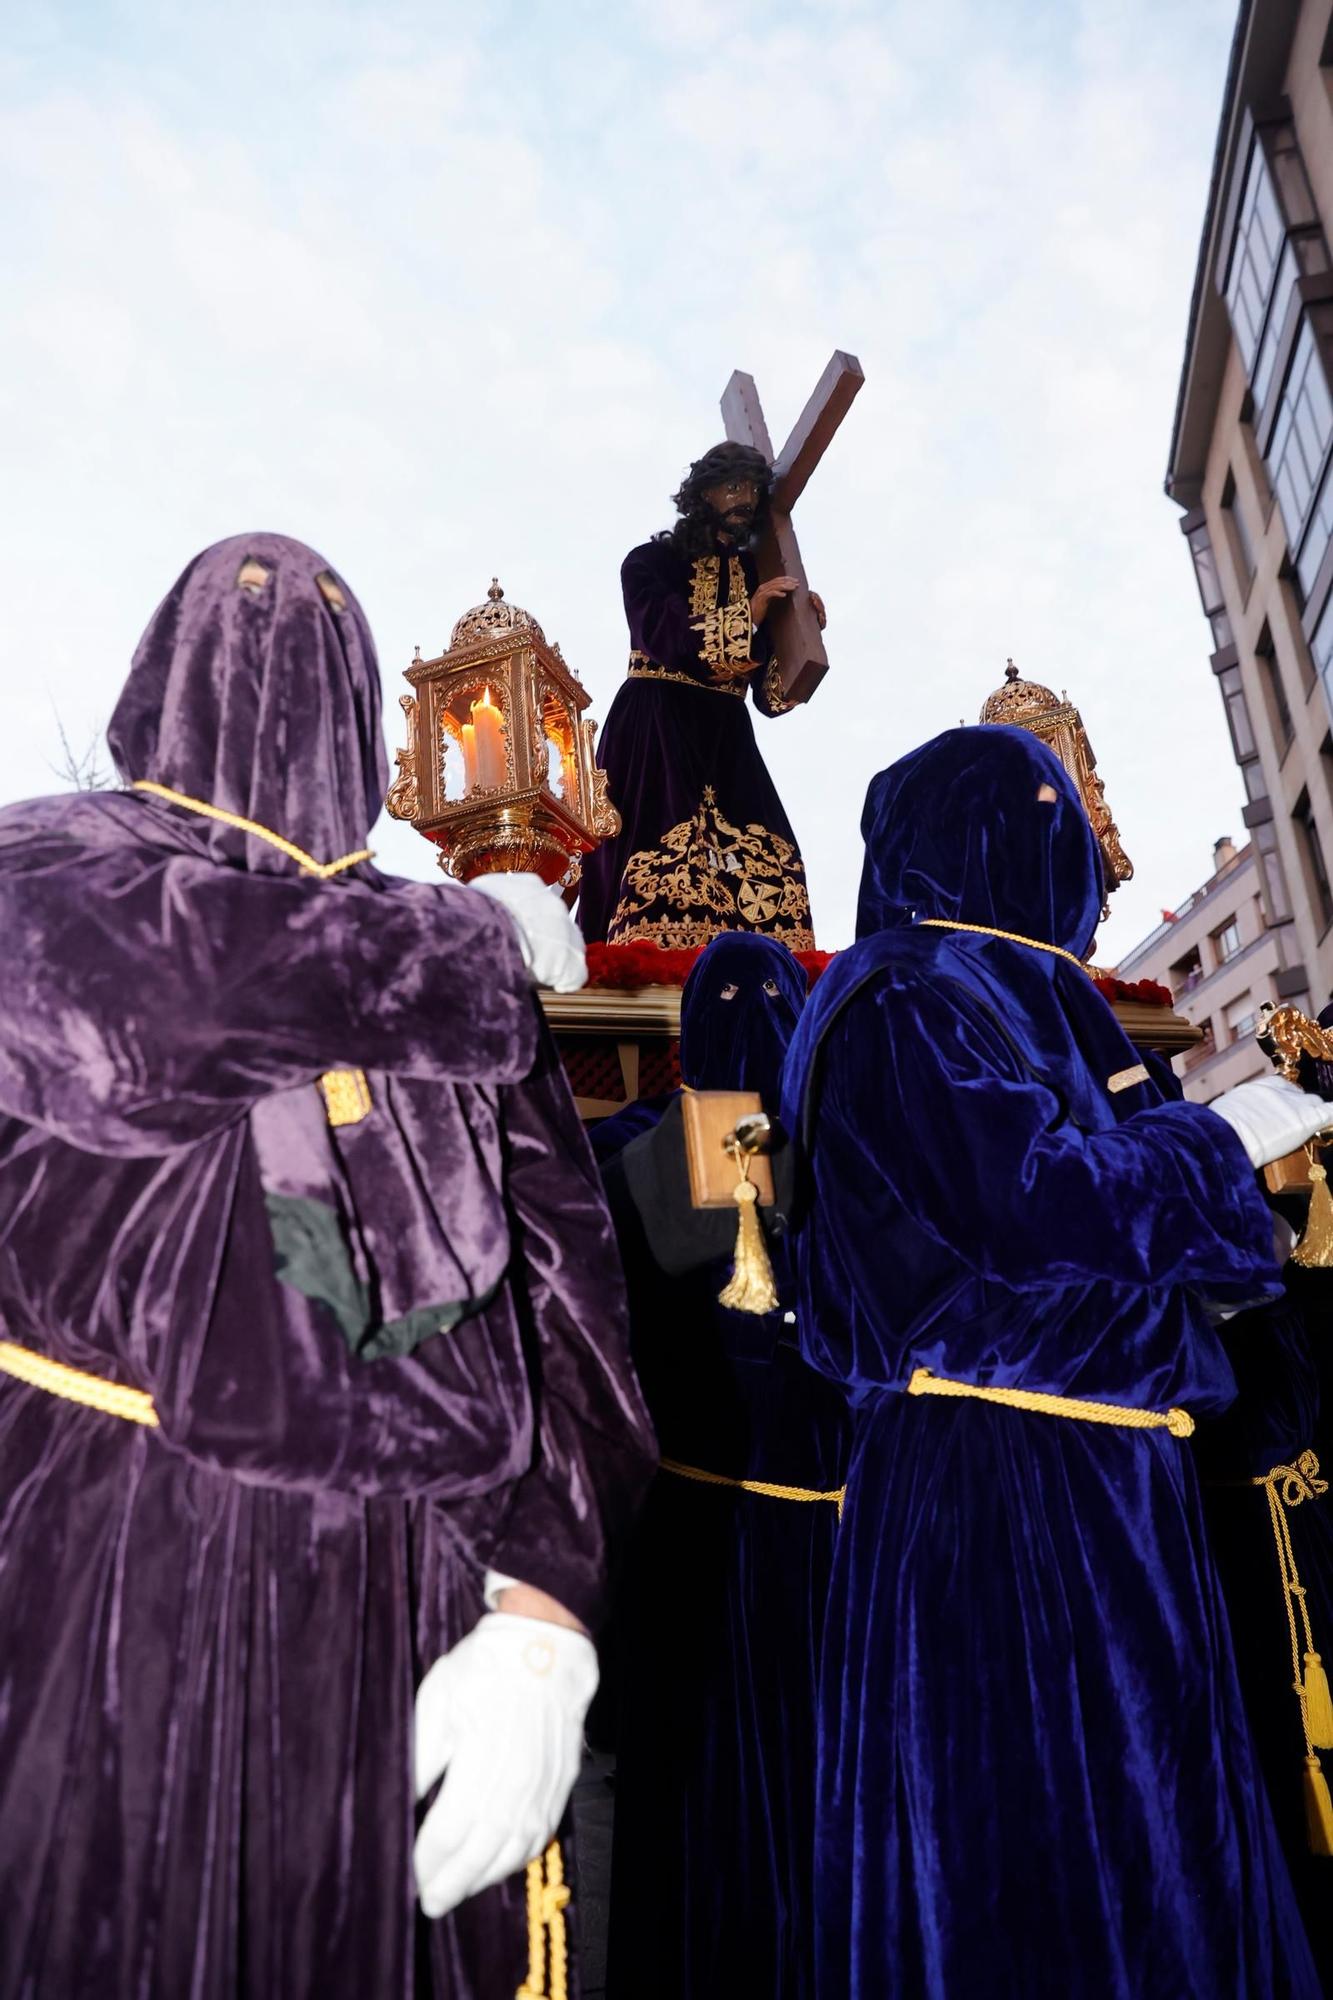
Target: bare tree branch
{"x": 83, "y": 773}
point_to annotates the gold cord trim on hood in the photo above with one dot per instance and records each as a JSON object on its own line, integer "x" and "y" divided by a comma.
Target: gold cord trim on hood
{"x": 1010, "y": 937}
{"x": 323, "y": 870}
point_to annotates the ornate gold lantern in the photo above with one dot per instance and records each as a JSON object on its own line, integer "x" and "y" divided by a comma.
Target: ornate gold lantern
{"x": 1028, "y": 705}
{"x": 498, "y": 769}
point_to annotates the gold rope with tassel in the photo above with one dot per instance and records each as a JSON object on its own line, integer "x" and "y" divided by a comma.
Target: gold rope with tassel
{"x": 1289, "y": 1486}
{"x": 1315, "y": 1249}
{"x": 548, "y": 1946}
{"x": 750, "y": 1289}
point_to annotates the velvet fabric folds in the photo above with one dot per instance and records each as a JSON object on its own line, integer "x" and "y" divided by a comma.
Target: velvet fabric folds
{"x": 213, "y": 1630}
{"x": 705, "y": 845}
{"x": 1277, "y": 1421}
{"x": 720, "y": 1617}
{"x": 1036, "y": 1774}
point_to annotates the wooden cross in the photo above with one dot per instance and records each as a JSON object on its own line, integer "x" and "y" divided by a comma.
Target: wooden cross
{"x": 797, "y": 639}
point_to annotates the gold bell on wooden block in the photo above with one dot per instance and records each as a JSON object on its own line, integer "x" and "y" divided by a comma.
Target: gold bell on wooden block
{"x": 499, "y": 770}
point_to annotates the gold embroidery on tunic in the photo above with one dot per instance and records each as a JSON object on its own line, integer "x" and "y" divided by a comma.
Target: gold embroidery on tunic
{"x": 712, "y": 876}
{"x": 774, "y": 694}
{"x": 641, "y": 668}
{"x": 725, "y": 629}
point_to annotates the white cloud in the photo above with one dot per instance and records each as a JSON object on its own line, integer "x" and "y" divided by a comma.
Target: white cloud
{"x": 452, "y": 291}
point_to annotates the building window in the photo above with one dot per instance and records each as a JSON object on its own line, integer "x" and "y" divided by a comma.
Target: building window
{"x": 1241, "y": 1017}
{"x": 1279, "y": 711}
{"x": 1243, "y": 744}
{"x": 1321, "y": 647}
{"x": 1316, "y": 868}
{"x": 1274, "y": 874}
{"x": 1226, "y": 941}
{"x": 1238, "y": 535}
{"x": 1296, "y": 458}
{"x": 1256, "y": 788}
{"x": 1210, "y": 586}
{"x": 1185, "y": 974}
{"x": 1251, "y": 280}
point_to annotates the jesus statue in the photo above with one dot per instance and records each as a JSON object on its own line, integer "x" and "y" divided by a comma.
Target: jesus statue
{"x": 705, "y": 845}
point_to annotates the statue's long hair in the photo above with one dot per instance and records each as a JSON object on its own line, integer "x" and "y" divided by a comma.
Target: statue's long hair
{"x": 695, "y": 533}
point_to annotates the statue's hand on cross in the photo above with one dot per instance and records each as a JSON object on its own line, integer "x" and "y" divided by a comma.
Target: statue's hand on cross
{"x": 783, "y": 586}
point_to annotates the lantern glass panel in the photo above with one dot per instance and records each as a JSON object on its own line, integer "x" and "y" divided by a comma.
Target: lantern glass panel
{"x": 559, "y": 731}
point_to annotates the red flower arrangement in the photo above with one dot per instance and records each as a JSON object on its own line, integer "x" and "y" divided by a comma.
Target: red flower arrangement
{"x": 626, "y": 966}
{"x": 1146, "y": 991}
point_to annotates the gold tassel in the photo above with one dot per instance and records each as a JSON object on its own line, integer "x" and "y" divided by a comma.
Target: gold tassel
{"x": 1318, "y": 1706}
{"x": 750, "y": 1288}
{"x": 1315, "y": 1249}
{"x": 1318, "y": 1808}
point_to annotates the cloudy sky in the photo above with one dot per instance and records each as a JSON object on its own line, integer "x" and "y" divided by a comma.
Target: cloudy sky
{"x": 452, "y": 289}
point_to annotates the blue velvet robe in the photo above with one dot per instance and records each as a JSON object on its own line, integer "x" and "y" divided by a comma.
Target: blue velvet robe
{"x": 705, "y": 845}
{"x": 1036, "y": 1774}
{"x": 1275, "y": 1421}
{"x": 720, "y": 1619}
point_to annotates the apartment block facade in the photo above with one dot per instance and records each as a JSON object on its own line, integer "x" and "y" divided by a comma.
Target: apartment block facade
{"x": 1251, "y": 464}
{"x": 1221, "y": 959}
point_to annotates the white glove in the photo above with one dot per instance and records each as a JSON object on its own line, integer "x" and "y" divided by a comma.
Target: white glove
{"x": 551, "y": 942}
{"x": 1272, "y": 1117}
{"x": 502, "y": 1713}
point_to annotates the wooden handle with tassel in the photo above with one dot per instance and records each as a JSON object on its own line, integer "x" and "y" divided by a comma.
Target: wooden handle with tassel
{"x": 750, "y": 1288}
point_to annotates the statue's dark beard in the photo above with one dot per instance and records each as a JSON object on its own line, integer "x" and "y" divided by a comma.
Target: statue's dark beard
{"x": 738, "y": 523}
{"x": 696, "y": 533}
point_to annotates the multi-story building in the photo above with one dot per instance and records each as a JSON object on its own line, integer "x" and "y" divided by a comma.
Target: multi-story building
{"x": 1221, "y": 958}
{"x": 1252, "y": 465}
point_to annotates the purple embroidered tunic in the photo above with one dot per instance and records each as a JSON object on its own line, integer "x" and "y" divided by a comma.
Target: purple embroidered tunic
{"x": 705, "y": 845}
{"x": 384, "y": 1355}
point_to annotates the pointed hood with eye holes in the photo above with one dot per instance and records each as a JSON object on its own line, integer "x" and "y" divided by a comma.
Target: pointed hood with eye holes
{"x": 261, "y": 697}
{"x": 956, "y": 831}
{"x": 740, "y": 1043}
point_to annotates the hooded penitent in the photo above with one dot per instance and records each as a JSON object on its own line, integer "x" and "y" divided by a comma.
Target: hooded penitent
{"x": 738, "y": 1013}
{"x": 1035, "y": 1770}
{"x": 724, "y": 1595}
{"x": 382, "y": 1354}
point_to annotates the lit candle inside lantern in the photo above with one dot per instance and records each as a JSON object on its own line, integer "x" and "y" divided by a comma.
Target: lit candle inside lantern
{"x": 569, "y": 780}
{"x": 469, "y": 758}
{"x": 489, "y": 743}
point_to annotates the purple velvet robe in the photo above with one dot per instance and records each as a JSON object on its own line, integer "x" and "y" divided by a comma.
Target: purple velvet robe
{"x": 384, "y": 1355}
{"x": 705, "y": 845}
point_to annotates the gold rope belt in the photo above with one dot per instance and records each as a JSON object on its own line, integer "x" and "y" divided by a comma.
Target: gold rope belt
{"x": 1179, "y": 1422}
{"x": 1287, "y": 1487}
{"x": 766, "y": 1487}
{"x": 325, "y": 870}
{"x": 1010, "y": 937}
{"x": 40, "y": 1372}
